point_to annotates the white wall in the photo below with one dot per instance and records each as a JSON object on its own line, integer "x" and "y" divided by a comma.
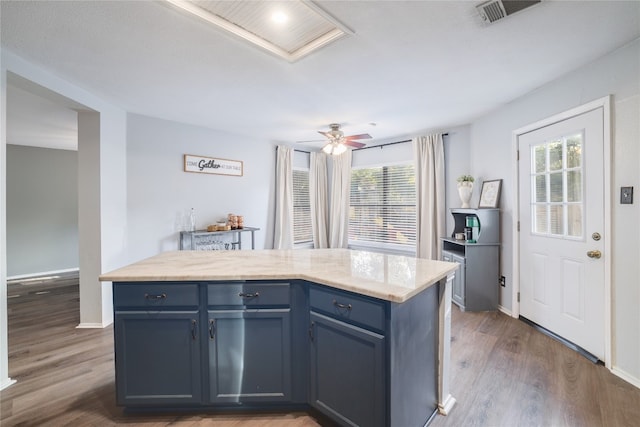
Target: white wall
{"x": 42, "y": 210}
{"x": 617, "y": 74}
{"x": 107, "y": 251}
{"x": 160, "y": 193}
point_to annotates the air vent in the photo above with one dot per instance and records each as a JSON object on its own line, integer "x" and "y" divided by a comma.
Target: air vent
{"x": 495, "y": 10}
{"x": 492, "y": 11}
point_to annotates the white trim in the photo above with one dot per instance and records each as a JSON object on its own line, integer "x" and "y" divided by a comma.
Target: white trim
{"x": 505, "y": 310}
{"x": 42, "y": 273}
{"x": 386, "y": 248}
{"x": 445, "y": 399}
{"x": 336, "y": 33}
{"x": 605, "y": 104}
{"x": 626, "y": 376}
{"x": 6, "y": 383}
{"x": 92, "y": 325}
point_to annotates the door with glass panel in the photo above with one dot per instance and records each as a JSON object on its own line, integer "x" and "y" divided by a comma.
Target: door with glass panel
{"x": 561, "y": 197}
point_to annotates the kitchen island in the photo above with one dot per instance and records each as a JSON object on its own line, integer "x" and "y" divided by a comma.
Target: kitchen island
{"x": 361, "y": 337}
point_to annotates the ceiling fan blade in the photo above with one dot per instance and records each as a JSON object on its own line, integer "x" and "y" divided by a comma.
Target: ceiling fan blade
{"x": 325, "y": 134}
{"x": 354, "y": 144}
{"x": 361, "y": 136}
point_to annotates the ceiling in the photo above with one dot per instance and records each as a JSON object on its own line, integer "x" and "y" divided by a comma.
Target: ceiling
{"x": 409, "y": 66}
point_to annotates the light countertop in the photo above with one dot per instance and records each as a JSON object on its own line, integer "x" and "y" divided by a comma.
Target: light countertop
{"x": 389, "y": 277}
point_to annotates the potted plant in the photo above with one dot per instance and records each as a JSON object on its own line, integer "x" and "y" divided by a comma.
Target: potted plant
{"x": 465, "y": 189}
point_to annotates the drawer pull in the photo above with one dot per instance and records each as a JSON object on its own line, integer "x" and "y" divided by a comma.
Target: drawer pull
{"x": 155, "y": 297}
{"x": 249, "y": 295}
{"x": 311, "y": 331}
{"x": 212, "y": 329}
{"x": 337, "y": 304}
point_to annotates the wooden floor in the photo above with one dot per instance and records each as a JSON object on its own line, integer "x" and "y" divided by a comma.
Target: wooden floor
{"x": 504, "y": 373}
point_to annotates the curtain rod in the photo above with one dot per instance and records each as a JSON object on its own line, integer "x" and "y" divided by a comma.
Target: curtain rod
{"x": 372, "y": 146}
{"x": 389, "y": 143}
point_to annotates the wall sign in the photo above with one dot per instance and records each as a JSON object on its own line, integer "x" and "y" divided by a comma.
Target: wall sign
{"x": 200, "y": 164}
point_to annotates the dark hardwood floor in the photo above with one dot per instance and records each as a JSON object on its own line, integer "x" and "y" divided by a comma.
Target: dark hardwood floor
{"x": 504, "y": 373}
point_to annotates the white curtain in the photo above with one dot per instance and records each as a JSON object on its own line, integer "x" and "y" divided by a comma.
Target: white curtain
{"x": 319, "y": 200}
{"x": 340, "y": 197}
{"x": 283, "y": 230}
{"x": 429, "y": 158}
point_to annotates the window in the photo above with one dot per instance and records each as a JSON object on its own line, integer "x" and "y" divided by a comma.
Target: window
{"x": 556, "y": 183}
{"x": 383, "y": 207}
{"x": 301, "y": 207}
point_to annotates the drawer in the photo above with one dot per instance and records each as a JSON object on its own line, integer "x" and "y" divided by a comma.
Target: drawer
{"x": 348, "y": 307}
{"x": 248, "y": 294}
{"x": 155, "y": 295}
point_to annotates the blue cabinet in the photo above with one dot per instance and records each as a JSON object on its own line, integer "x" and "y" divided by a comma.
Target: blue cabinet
{"x": 347, "y": 372}
{"x": 249, "y": 356}
{"x": 249, "y": 336}
{"x": 476, "y": 284}
{"x": 347, "y": 367}
{"x": 286, "y": 345}
{"x": 157, "y": 344}
{"x": 458, "y": 293}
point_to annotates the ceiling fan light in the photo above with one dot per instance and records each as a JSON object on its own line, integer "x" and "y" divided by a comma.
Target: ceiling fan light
{"x": 334, "y": 148}
{"x": 339, "y": 149}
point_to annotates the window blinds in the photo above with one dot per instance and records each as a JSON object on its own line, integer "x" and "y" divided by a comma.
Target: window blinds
{"x": 383, "y": 206}
{"x": 301, "y": 207}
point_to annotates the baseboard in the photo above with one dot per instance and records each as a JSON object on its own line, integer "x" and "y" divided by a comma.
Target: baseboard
{"x": 92, "y": 326}
{"x": 445, "y": 407}
{"x": 6, "y": 383}
{"x": 43, "y": 273}
{"x": 626, "y": 376}
{"x": 505, "y": 310}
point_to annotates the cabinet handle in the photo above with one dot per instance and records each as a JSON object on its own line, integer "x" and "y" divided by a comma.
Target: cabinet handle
{"x": 155, "y": 297}
{"x": 194, "y": 328}
{"x": 311, "y": 330}
{"x": 212, "y": 329}
{"x": 337, "y": 304}
{"x": 249, "y": 295}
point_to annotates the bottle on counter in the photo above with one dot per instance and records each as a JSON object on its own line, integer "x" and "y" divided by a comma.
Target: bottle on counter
{"x": 192, "y": 220}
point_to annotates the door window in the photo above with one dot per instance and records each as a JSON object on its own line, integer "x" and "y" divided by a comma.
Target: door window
{"x": 557, "y": 200}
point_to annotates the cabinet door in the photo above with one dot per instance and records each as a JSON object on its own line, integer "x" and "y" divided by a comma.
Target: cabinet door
{"x": 157, "y": 358}
{"x": 459, "y": 283}
{"x": 249, "y": 355}
{"x": 347, "y": 372}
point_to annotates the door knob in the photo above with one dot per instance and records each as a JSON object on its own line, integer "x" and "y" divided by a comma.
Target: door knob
{"x": 594, "y": 254}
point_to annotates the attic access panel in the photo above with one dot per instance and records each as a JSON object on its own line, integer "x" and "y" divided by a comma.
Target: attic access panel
{"x": 306, "y": 26}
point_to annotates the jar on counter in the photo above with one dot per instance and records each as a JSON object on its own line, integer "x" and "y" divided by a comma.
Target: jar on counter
{"x": 240, "y": 221}
{"x": 232, "y": 220}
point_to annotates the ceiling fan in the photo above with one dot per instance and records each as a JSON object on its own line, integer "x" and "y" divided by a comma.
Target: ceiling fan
{"x": 338, "y": 142}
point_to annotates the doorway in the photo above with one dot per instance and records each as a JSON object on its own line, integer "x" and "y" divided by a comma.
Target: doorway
{"x": 94, "y": 296}
{"x": 563, "y": 219}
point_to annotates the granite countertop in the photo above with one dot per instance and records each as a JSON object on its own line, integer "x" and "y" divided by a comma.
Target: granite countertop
{"x": 389, "y": 277}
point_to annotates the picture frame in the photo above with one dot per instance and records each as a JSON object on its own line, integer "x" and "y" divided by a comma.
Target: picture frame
{"x": 213, "y": 165}
{"x": 490, "y": 194}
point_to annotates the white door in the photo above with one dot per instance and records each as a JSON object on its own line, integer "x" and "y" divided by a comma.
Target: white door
{"x": 561, "y": 193}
